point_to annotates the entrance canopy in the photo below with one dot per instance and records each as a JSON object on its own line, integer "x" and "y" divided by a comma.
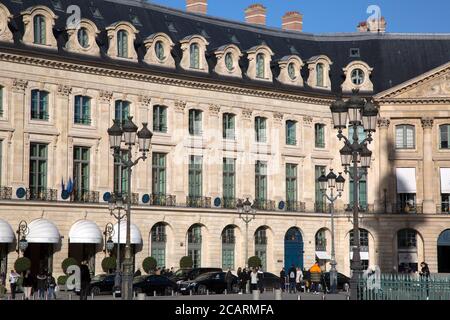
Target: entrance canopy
{"x": 406, "y": 180}
{"x": 323, "y": 255}
{"x": 6, "y": 232}
{"x": 85, "y": 231}
{"x": 135, "y": 236}
{"x": 43, "y": 231}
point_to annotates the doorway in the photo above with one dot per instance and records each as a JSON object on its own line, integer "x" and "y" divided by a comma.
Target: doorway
{"x": 293, "y": 249}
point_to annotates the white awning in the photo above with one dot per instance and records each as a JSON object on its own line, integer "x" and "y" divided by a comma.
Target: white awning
{"x": 43, "y": 231}
{"x": 445, "y": 180}
{"x": 135, "y": 236}
{"x": 406, "y": 180}
{"x": 323, "y": 255}
{"x": 85, "y": 231}
{"x": 6, "y": 232}
{"x": 363, "y": 254}
{"x": 407, "y": 257}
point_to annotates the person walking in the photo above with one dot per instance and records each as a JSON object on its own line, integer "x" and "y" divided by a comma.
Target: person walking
{"x": 13, "y": 279}
{"x": 425, "y": 274}
{"x": 243, "y": 281}
{"x": 229, "y": 280}
{"x": 292, "y": 275}
{"x": 260, "y": 279}
{"x": 85, "y": 280}
{"x": 240, "y": 279}
{"x": 27, "y": 285}
{"x": 298, "y": 279}
{"x": 253, "y": 280}
{"x": 283, "y": 279}
{"x": 42, "y": 284}
{"x": 51, "y": 285}
{"x": 316, "y": 274}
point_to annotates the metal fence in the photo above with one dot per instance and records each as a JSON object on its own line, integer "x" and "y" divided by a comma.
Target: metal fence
{"x": 406, "y": 287}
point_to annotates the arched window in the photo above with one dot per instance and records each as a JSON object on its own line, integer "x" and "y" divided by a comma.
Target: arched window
{"x": 407, "y": 239}
{"x": 405, "y": 136}
{"x": 320, "y": 75}
{"x": 159, "y": 50}
{"x": 364, "y": 246}
{"x": 444, "y": 141}
{"x": 407, "y": 250}
{"x": 291, "y": 71}
{"x": 228, "y": 248}
{"x": 83, "y": 37}
{"x": 39, "y": 29}
{"x": 39, "y": 105}
{"x": 195, "y": 244}
{"x": 229, "y": 61}
{"x": 195, "y": 56}
{"x": 159, "y": 240}
{"x": 261, "y": 245}
{"x": 321, "y": 240}
{"x": 357, "y": 77}
{"x": 260, "y": 66}
{"x": 122, "y": 44}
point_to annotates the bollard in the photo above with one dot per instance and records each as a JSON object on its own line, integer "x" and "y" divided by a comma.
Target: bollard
{"x": 154, "y": 293}
{"x": 92, "y": 296}
{"x": 225, "y": 291}
{"x": 348, "y": 297}
{"x": 70, "y": 296}
{"x": 299, "y": 297}
{"x": 207, "y": 292}
{"x": 323, "y": 296}
{"x": 173, "y": 293}
{"x": 190, "y": 292}
{"x": 277, "y": 294}
{"x": 141, "y": 296}
{"x": 255, "y": 294}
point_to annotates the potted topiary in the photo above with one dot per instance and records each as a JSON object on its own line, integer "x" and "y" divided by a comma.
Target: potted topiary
{"x": 254, "y": 262}
{"x": 22, "y": 265}
{"x": 64, "y": 265}
{"x": 109, "y": 264}
{"x": 149, "y": 264}
{"x": 186, "y": 262}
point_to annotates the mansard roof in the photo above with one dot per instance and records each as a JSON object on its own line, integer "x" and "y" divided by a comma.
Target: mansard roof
{"x": 395, "y": 58}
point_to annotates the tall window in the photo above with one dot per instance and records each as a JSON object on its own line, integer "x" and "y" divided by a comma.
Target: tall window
{"x": 364, "y": 245}
{"x": 83, "y": 37}
{"x": 195, "y": 56}
{"x": 39, "y": 105}
{"x": 159, "y": 50}
{"x": 320, "y": 75}
{"x": 444, "y": 136}
{"x": 195, "y": 176}
{"x": 407, "y": 239}
{"x": 1, "y": 101}
{"x": 122, "y": 110}
{"x": 291, "y": 184}
{"x": 38, "y": 169}
{"x": 159, "y": 240}
{"x": 195, "y": 245}
{"x": 82, "y": 110}
{"x": 39, "y": 29}
{"x": 291, "y": 135}
{"x": 261, "y": 245}
{"x": 120, "y": 174}
{"x": 122, "y": 44}
{"x": 228, "y": 245}
{"x": 260, "y": 66}
{"x": 228, "y": 126}
{"x": 320, "y": 200}
{"x": 319, "y": 134}
{"x": 362, "y": 194}
{"x": 407, "y": 246}
{"x": 81, "y": 171}
{"x": 195, "y": 122}
{"x": 229, "y": 180}
{"x": 159, "y": 173}
{"x": 261, "y": 180}
{"x": 321, "y": 240}
{"x": 404, "y": 136}
{"x": 260, "y": 129}
{"x": 159, "y": 119}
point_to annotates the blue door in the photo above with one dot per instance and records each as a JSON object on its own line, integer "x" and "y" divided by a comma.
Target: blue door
{"x": 293, "y": 249}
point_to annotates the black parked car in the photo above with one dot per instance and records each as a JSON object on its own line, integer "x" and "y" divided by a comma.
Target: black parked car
{"x": 271, "y": 281}
{"x": 154, "y": 283}
{"x": 342, "y": 280}
{"x": 102, "y": 284}
{"x": 212, "y": 282}
{"x": 191, "y": 273}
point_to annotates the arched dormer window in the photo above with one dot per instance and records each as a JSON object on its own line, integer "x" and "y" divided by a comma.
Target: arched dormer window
{"x": 82, "y": 38}
{"x": 290, "y": 70}
{"x": 121, "y": 37}
{"x": 357, "y": 76}
{"x": 38, "y": 22}
{"x": 259, "y": 59}
{"x": 319, "y": 72}
{"x": 228, "y": 57}
{"x": 5, "y": 17}
{"x": 194, "y": 49}
{"x": 159, "y": 47}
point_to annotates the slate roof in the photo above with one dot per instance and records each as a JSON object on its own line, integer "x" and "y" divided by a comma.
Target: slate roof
{"x": 395, "y": 58}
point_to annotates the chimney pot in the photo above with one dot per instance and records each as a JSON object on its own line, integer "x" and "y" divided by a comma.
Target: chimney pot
{"x": 292, "y": 20}
{"x": 256, "y": 14}
{"x": 373, "y": 26}
{"x": 197, "y": 6}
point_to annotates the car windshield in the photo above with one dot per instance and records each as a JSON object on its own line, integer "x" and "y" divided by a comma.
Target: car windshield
{"x": 139, "y": 279}
{"x": 99, "y": 277}
{"x": 205, "y": 276}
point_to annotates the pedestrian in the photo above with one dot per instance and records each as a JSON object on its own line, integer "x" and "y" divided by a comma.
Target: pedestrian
{"x": 13, "y": 279}
{"x": 229, "y": 280}
{"x": 51, "y": 285}
{"x": 298, "y": 279}
{"x": 253, "y": 280}
{"x": 27, "y": 284}
{"x": 42, "y": 284}
{"x": 425, "y": 274}
{"x": 171, "y": 272}
{"x": 243, "y": 281}
{"x": 283, "y": 279}
{"x": 292, "y": 275}
{"x": 316, "y": 274}
{"x": 85, "y": 280}
{"x": 260, "y": 279}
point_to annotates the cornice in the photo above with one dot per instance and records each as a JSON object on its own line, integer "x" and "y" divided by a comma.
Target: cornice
{"x": 154, "y": 78}
{"x": 408, "y": 101}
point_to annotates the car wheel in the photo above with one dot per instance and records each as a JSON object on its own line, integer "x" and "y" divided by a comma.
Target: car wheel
{"x": 201, "y": 290}
{"x": 95, "y": 291}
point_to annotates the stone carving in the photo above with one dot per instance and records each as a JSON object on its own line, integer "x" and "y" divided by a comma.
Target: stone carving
{"x": 64, "y": 91}
{"x": 105, "y": 96}
{"x": 307, "y": 120}
{"x": 278, "y": 117}
{"x": 20, "y": 85}
{"x": 427, "y": 123}
{"x": 180, "y": 105}
{"x": 384, "y": 122}
{"x": 145, "y": 100}
{"x": 247, "y": 114}
{"x": 214, "y": 109}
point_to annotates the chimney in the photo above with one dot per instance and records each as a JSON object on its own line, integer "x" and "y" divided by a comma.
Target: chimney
{"x": 197, "y": 6}
{"x": 373, "y": 26}
{"x": 292, "y": 20}
{"x": 256, "y": 14}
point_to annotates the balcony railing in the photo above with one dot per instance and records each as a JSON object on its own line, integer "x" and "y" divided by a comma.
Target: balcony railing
{"x": 321, "y": 207}
{"x": 195, "y": 239}
{"x": 260, "y": 240}
{"x": 295, "y": 206}
{"x": 198, "y": 202}
{"x": 230, "y": 203}
{"x": 408, "y": 208}
{"x": 85, "y": 197}
{"x": 365, "y": 208}
{"x": 42, "y": 194}
{"x": 163, "y": 200}
{"x": 229, "y": 239}
{"x": 265, "y": 205}
{"x": 443, "y": 208}
{"x": 5, "y": 193}
{"x": 159, "y": 237}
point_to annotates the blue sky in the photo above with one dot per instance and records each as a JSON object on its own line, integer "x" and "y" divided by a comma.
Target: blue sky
{"x": 321, "y": 16}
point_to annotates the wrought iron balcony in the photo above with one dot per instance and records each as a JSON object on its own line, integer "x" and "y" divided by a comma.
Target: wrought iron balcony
{"x": 159, "y": 237}
{"x": 265, "y": 205}
{"x": 198, "y": 202}
{"x": 195, "y": 239}
{"x": 228, "y": 239}
{"x": 5, "y": 193}
{"x": 365, "y": 208}
{"x": 260, "y": 240}
{"x": 85, "y": 196}
{"x": 42, "y": 194}
{"x": 163, "y": 200}
{"x": 295, "y": 206}
{"x": 443, "y": 208}
{"x": 230, "y": 203}
{"x": 321, "y": 207}
{"x": 408, "y": 208}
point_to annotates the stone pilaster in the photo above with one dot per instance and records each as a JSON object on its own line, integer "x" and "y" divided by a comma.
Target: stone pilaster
{"x": 214, "y": 165}
{"x": 247, "y": 138}
{"x": 180, "y": 158}
{"x": 308, "y": 165}
{"x": 63, "y": 121}
{"x": 428, "y": 166}
{"x": 278, "y": 141}
{"x": 105, "y": 181}
{"x": 383, "y": 151}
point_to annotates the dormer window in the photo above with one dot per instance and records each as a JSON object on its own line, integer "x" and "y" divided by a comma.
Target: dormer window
{"x": 121, "y": 41}
{"x": 357, "y": 76}
{"x": 319, "y": 75}
{"x": 195, "y": 56}
{"x": 319, "y": 72}
{"x": 122, "y": 44}
{"x": 159, "y": 50}
{"x": 228, "y": 61}
{"x": 83, "y": 37}
{"x": 259, "y": 59}
{"x": 260, "y": 66}
{"x": 38, "y": 23}
{"x": 159, "y": 47}
{"x": 194, "y": 49}
{"x": 290, "y": 70}
{"x": 39, "y": 29}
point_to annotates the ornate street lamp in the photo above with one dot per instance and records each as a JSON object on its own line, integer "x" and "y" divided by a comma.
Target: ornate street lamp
{"x": 247, "y": 213}
{"x": 22, "y": 232}
{"x": 127, "y": 133}
{"x": 108, "y": 233}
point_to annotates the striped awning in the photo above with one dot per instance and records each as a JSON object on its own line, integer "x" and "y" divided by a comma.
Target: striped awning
{"x": 85, "y": 231}
{"x": 6, "y": 232}
{"x": 43, "y": 231}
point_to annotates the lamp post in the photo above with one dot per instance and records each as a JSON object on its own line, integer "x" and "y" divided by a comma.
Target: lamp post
{"x": 331, "y": 181}
{"x": 108, "y": 233}
{"x": 22, "y": 231}
{"x": 360, "y": 112}
{"x": 247, "y": 213}
{"x": 127, "y": 133}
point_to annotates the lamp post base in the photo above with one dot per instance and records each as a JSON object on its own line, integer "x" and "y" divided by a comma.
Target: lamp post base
{"x": 333, "y": 279}
{"x": 127, "y": 280}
